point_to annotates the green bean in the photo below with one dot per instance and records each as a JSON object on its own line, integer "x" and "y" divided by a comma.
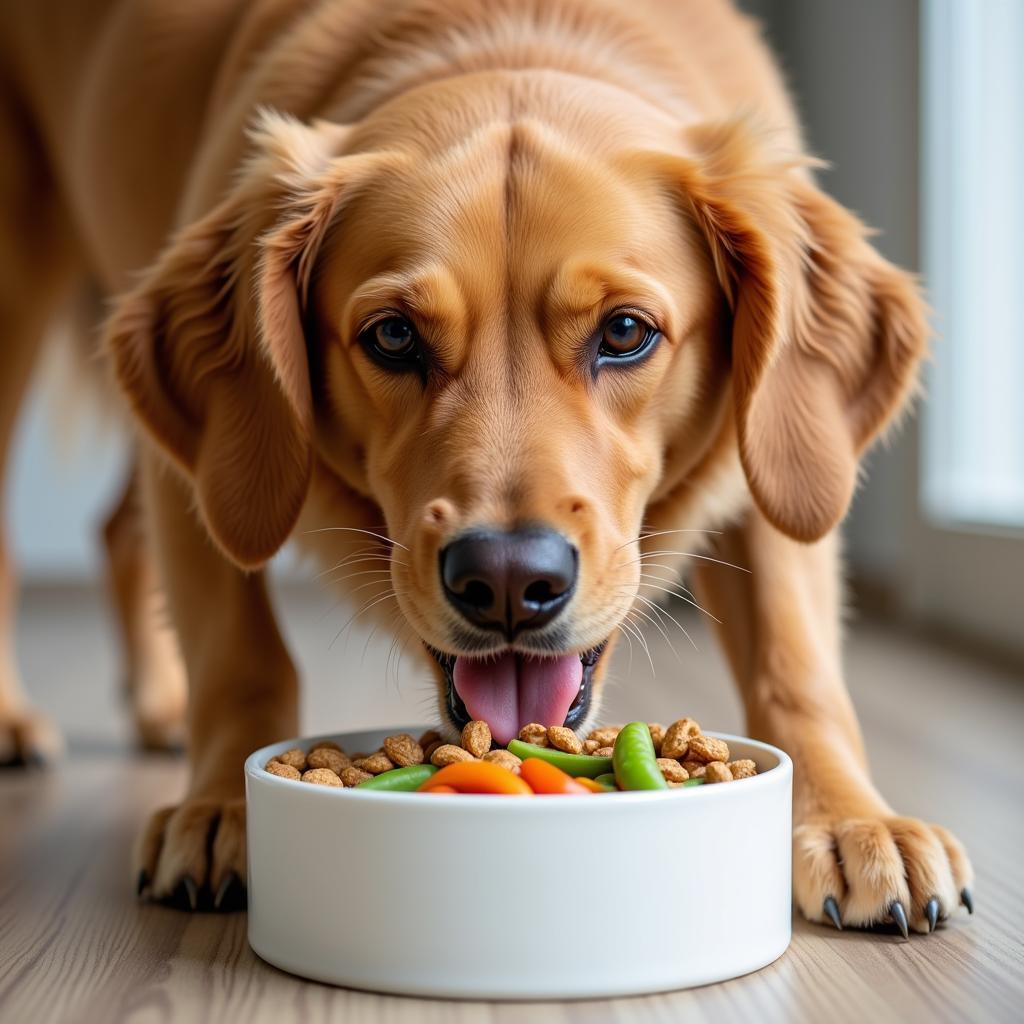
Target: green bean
{"x": 694, "y": 782}
{"x": 608, "y": 779}
{"x": 636, "y": 764}
{"x": 400, "y": 780}
{"x": 572, "y": 764}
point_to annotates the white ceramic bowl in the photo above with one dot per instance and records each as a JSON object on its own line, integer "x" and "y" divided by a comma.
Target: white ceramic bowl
{"x": 530, "y": 898}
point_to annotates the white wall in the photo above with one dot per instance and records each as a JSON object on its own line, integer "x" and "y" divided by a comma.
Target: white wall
{"x": 65, "y": 472}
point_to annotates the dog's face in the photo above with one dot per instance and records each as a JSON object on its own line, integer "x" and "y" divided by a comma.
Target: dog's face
{"x": 512, "y": 336}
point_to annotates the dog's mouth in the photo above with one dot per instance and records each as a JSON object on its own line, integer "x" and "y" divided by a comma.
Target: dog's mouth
{"x": 510, "y": 689}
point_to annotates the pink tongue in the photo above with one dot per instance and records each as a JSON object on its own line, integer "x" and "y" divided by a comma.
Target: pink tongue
{"x": 514, "y": 690}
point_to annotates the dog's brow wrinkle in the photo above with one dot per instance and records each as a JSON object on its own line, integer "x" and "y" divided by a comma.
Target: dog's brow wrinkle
{"x": 507, "y": 214}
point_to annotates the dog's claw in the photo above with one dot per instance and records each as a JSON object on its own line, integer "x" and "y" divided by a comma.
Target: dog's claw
{"x": 831, "y": 908}
{"x": 899, "y": 915}
{"x": 188, "y": 892}
{"x": 142, "y": 884}
{"x": 967, "y": 900}
{"x": 230, "y": 893}
{"x": 931, "y": 911}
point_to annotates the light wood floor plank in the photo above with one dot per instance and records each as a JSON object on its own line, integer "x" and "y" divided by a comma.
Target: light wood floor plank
{"x": 944, "y": 733}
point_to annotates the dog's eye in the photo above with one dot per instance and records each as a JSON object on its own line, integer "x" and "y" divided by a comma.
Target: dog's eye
{"x": 625, "y": 335}
{"x": 392, "y": 341}
{"x": 395, "y": 336}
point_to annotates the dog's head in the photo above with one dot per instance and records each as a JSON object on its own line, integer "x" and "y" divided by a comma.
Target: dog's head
{"x": 512, "y": 334}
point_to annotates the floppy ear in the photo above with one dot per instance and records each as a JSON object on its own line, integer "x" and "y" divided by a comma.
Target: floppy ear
{"x": 209, "y": 347}
{"x": 826, "y": 334}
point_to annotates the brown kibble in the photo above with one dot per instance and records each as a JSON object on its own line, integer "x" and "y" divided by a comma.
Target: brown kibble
{"x": 657, "y": 731}
{"x": 352, "y": 776}
{"x": 295, "y": 757}
{"x": 430, "y": 736}
{"x": 375, "y": 764}
{"x": 605, "y": 736}
{"x": 716, "y": 771}
{"x": 504, "y": 759}
{"x": 285, "y": 771}
{"x": 534, "y": 733}
{"x": 403, "y": 750}
{"x": 428, "y": 750}
{"x": 672, "y": 770}
{"x": 707, "y": 748}
{"x": 449, "y": 753}
{"x": 677, "y": 738}
{"x": 589, "y": 746}
{"x": 564, "y": 739}
{"x": 321, "y": 777}
{"x": 743, "y": 769}
{"x": 326, "y": 745}
{"x": 328, "y": 757}
{"x": 476, "y": 738}
{"x": 695, "y": 769}
{"x": 604, "y": 752}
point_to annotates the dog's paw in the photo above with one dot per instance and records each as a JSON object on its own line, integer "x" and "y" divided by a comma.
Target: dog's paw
{"x": 28, "y": 739}
{"x": 192, "y": 856}
{"x": 865, "y": 871}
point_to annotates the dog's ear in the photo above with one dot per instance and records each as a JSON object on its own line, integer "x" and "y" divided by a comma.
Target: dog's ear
{"x": 209, "y": 346}
{"x": 826, "y": 335}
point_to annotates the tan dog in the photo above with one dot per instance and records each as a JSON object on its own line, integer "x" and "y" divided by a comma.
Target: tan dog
{"x": 502, "y": 283}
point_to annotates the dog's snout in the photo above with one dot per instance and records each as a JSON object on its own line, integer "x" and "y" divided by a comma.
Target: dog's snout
{"x": 509, "y": 579}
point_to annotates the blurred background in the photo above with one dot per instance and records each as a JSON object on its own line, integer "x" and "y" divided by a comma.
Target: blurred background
{"x": 917, "y": 106}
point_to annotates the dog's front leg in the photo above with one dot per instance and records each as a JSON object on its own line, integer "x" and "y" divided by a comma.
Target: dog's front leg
{"x": 242, "y": 695}
{"x": 854, "y": 859}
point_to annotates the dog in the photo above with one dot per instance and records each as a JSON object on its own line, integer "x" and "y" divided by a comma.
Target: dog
{"x": 486, "y": 302}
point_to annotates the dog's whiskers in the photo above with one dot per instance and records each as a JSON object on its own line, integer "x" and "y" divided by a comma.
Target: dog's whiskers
{"x": 661, "y": 629}
{"x": 346, "y": 562}
{"x": 354, "y": 529}
{"x": 629, "y": 667}
{"x": 684, "y": 554}
{"x": 664, "y": 533}
{"x": 682, "y": 597}
{"x": 400, "y": 634}
{"x": 335, "y": 580}
{"x": 669, "y": 616}
{"x": 672, "y": 582}
{"x": 391, "y": 595}
{"x": 639, "y": 634}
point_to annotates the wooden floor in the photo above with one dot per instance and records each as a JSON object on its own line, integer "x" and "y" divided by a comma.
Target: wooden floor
{"x": 946, "y": 736}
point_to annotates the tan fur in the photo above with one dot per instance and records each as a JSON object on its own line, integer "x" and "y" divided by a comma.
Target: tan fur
{"x": 505, "y": 173}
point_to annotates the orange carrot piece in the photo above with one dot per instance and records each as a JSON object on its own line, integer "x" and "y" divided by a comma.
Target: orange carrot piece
{"x": 544, "y": 778}
{"x": 477, "y": 777}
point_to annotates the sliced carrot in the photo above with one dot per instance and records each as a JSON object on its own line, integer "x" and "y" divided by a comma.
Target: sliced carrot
{"x": 441, "y": 789}
{"x": 477, "y": 777}
{"x": 594, "y": 787}
{"x": 544, "y": 778}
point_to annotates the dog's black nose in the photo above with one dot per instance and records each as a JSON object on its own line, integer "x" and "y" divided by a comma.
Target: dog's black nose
{"x": 509, "y": 580}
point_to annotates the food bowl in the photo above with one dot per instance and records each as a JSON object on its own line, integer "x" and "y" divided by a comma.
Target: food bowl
{"x": 519, "y": 898}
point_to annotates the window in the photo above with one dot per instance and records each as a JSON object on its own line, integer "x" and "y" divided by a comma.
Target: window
{"x": 965, "y": 545}
{"x": 973, "y": 233}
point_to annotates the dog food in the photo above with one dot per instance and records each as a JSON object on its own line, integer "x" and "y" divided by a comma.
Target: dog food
{"x": 546, "y": 761}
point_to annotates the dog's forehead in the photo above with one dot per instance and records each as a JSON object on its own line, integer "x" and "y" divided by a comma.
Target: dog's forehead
{"x": 507, "y": 210}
